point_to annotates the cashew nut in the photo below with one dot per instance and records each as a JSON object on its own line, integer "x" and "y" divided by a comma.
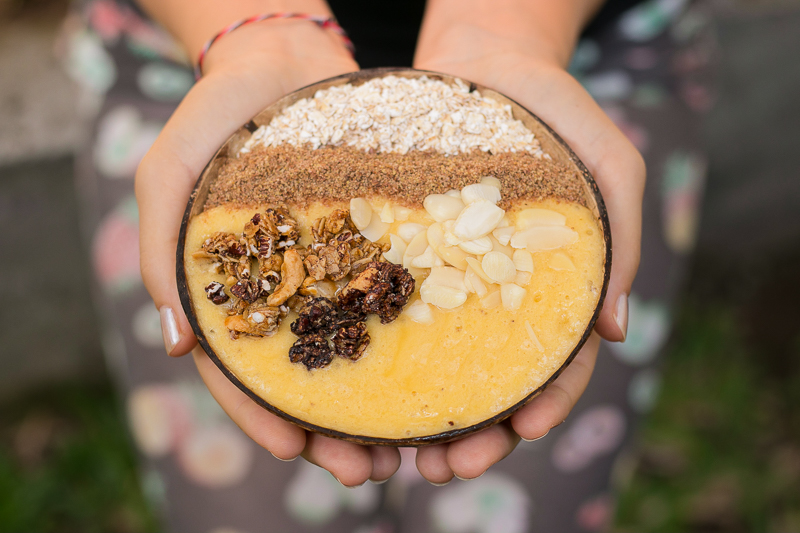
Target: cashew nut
{"x": 292, "y": 275}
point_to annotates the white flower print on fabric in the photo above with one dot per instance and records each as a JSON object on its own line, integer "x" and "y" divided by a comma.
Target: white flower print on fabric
{"x": 123, "y": 137}
{"x": 159, "y": 418}
{"x": 146, "y": 326}
{"x": 313, "y": 496}
{"x": 493, "y": 503}
{"x": 648, "y": 328}
{"x": 216, "y": 457}
{"x": 88, "y": 63}
{"x": 648, "y": 19}
{"x": 609, "y": 86}
{"x": 163, "y": 82}
{"x": 595, "y": 432}
{"x": 643, "y": 390}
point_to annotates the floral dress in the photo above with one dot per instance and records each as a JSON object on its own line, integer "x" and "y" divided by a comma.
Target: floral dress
{"x": 647, "y": 67}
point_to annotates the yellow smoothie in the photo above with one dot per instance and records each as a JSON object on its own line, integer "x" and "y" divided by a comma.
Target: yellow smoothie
{"x": 416, "y": 379}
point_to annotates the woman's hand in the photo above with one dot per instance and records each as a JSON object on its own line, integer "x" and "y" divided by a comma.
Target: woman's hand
{"x": 244, "y": 72}
{"x": 521, "y": 50}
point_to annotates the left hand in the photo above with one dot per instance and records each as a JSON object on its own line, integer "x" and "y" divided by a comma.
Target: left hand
{"x": 528, "y": 65}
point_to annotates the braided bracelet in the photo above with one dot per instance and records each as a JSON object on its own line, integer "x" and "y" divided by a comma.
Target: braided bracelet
{"x": 324, "y": 23}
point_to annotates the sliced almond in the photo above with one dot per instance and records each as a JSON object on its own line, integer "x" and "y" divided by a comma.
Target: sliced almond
{"x": 503, "y": 235}
{"x": 375, "y": 230}
{"x": 435, "y": 235}
{"x": 444, "y": 297}
{"x": 442, "y": 207}
{"x": 522, "y": 278}
{"x": 532, "y": 335}
{"x": 360, "y": 213}
{"x": 491, "y": 180}
{"x": 387, "y": 213}
{"x": 450, "y": 238}
{"x": 401, "y": 213}
{"x": 446, "y": 277}
{"x": 477, "y": 219}
{"x": 409, "y": 230}
{"x": 455, "y": 193}
{"x": 419, "y": 312}
{"x": 475, "y": 265}
{"x": 428, "y": 259}
{"x": 478, "y": 246}
{"x": 561, "y": 261}
{"x": 528, "y": 218}
{"x": 493, "y": 299}
{"x": 416, "y": 247}
{"x": 523, "y": 260}
{"x": 512, "y": 295}
{"x": 397, "y": 251}
{"x": 454, "y": 256}
{"x": 503, "y": 249}
{"x": 541, "y": 238}
{"x": 471, "y": 279}
{"x": 498, "y": 267}
{"x": 479, "y": 191}
{"x": 505, "y": 222}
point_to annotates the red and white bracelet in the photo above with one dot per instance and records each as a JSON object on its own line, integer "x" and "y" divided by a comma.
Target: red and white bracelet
{"x": 324, "y": 23}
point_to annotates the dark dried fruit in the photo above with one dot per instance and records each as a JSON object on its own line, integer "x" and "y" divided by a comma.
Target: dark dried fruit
{"x": 382, "y": 288}
{"x": 311, "y": 350}
{"x": 215, "y": 292}
{"x": 351, "y": 341}
{"x": 246, "y": 290}
{"x": 316, "y": 315}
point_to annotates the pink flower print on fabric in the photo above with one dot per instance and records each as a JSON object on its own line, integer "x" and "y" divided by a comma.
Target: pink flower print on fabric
{"x": 313, "y": 496}
{"x": 594, "y": 433}
{"x": 648, "y": 19}
{"x": 123, "y": 138}
{"x": 107, "y": 18}
{"x": 216, "y": 456}
{"x": 159, "y": 418}
{"x": 492, "y": 503}
{"x": 115, "y": 249}
{"x": 595, "y": 514}
{"x": 681, "y": 190}
{"x": 641, "y": 58}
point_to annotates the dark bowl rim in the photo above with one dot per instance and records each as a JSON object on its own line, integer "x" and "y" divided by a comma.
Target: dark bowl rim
{"x": 438, "y": 438}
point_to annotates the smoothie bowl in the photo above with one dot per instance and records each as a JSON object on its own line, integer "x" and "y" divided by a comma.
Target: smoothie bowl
{"x": 394, "y": 257}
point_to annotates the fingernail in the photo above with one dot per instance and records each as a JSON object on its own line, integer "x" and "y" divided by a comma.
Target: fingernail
{"x": 469, "y": 478}
{"x": 284, "y": 460}
{"x": 381, "y": 482}
{"x": 621, "y": 315}
{"x": 440, "y": 484}
{"x": 169, "y": 328}
{"x": 537, "y": 438}
{"x": 348, "y": 486}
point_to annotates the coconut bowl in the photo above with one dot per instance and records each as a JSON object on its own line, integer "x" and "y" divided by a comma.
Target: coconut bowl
{"x": 551, "y": 144}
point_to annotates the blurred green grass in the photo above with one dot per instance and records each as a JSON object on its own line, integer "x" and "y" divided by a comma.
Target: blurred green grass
{"x": 67, "y": 465}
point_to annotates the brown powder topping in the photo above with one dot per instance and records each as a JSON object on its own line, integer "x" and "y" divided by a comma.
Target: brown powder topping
{"x": 288, "y": 175}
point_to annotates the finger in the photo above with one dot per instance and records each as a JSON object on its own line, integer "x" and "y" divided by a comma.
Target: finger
{"x": 281, "y": 438}
{"x": 350, "y": 464}
{"x": 385, "y": 462}
{"x": 553, "y": 405}
{"x": 471, "y": 457}
{"x": 432, "y": 464}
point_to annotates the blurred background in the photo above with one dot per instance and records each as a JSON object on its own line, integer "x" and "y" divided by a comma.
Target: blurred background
{"x": 719, "y": 452}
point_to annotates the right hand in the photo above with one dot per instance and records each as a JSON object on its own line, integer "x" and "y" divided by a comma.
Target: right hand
{"x": 244, "y": 72}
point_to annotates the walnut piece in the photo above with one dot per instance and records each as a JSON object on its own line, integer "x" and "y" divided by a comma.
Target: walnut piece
{"x": 351, "y": 341}
{"x": 382, "y": 288}
{"x": 317, "y": 314}
{"x": 311, "y": 350}
{"x": 215, "y": 292}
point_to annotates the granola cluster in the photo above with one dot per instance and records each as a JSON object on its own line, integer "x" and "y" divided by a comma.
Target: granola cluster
{"x": 269, "y": 273}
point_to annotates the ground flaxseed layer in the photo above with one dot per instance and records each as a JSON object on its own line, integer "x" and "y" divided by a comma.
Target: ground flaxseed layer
{"x": 289, "y": 175}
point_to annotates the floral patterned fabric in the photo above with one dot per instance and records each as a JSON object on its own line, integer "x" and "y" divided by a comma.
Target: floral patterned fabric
{"x": 647, "y": 69}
